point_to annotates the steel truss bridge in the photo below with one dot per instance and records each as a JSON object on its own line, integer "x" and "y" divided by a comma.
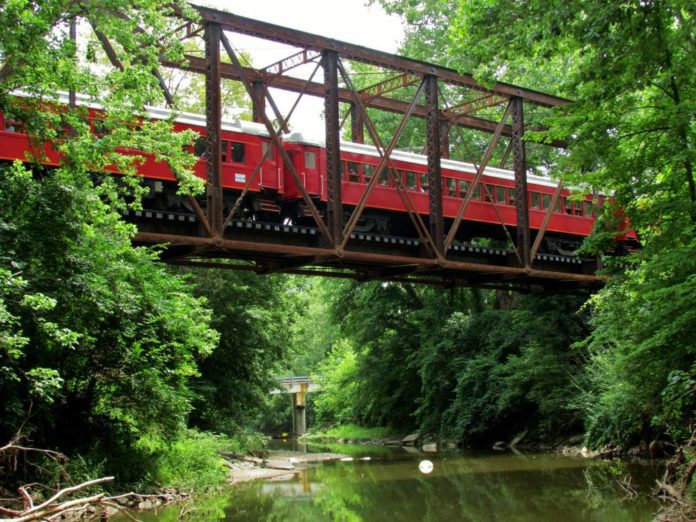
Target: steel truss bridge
{"x": 215, "y": 237}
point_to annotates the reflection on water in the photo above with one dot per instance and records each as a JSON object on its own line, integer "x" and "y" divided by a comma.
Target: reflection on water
{"x": 486, "y": 487}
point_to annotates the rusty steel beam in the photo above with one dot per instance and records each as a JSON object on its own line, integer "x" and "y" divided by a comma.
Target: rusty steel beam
{"x": 108, "y": 48}
{"x": 444, "y": 139}
{"x": 116, "y": 62}
{"x": 359, "y": 53}
{"x": 276, "y": 111}
{"x": 213, "y": 128}
{"x": 196, "y": 64}
{"x": 201, "y": 216}
{"x": 385, "y": 153}
{"x": 72, "y": 95}
{"x": 519, "y": 159}
{"x": 168, "y": 97}
{"x": 357, "y": 126}
{"x": 389, "y": 85}
{"x": 491, "y": 199}
{"x": 291, "y": 62}
{"x": 265, "y": 156}
{"x": 479, "y": 173}
{"x": 421, "y": 229}
{"x": 190, "y": 28}
{"x": 545, "y": 222}
{"x": 432, "y": 126}
{"x": 477, "y": 104}
{"x": 436, "y": 280}
{"x": 369, "y": 258}
{"x": 334, "y": 203}
{"x": 506, "y": 154}
{"x": 258, "y": 108}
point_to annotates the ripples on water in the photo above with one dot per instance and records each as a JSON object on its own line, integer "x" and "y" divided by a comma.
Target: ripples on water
{"x": 462, "y": 486}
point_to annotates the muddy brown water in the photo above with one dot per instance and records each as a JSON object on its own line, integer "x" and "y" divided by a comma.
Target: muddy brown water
{"x": 463, "y": 485}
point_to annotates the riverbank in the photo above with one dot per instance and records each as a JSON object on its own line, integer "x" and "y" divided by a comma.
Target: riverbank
{"x": 275, "y": 465}
{"x": 351, "y": 433}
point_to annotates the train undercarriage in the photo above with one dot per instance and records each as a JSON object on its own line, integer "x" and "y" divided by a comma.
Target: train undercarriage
{"x": 267, "y": 207}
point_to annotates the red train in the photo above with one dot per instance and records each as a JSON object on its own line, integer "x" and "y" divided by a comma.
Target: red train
{"x": 274, "y": 196}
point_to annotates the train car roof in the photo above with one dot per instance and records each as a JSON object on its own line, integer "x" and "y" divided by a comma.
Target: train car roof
{"x": 259, "y": 129}
{"x": 421, "y": 159}
{"x": 159, "y": 113}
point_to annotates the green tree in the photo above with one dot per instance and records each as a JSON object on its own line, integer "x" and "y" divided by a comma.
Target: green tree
{"x": 253, "y": 315}
{"x": 338, "y": 377}
{"x": 629, "y": 69}
{"x": 99, "y": 341}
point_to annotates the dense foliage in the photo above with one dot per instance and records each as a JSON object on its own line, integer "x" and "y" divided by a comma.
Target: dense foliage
{"x": 453, "y": 362}
{"x": 629, "y": 69}
{"x": 252, "y": 314}
{"x": 106, "y": 353}
{"x": 102, "y": 341}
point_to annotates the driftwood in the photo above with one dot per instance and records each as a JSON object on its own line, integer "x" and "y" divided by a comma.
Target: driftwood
{"x": 61, "y": 502}
{"x": 674, "y": 486}
{"x": 54, "y": 507}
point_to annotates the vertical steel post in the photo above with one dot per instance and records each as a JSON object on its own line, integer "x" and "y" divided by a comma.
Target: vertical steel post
{"x": 333, "y": 151}
{"x": 357, "y": 126}
{"x": 437, "y": 227}
{"x": 519, "y": 158}
{"x": 72, "y": 96}
{"x": 444, "y": 138}
{"x": 258, "y": 104}
{"x": 213, "y": 125}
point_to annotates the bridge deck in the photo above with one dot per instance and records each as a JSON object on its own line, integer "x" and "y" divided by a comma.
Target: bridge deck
{"x": 273, "y": 248}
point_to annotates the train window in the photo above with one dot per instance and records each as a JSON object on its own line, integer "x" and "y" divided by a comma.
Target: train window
{"x": 368, "y": 172}
{"x": 463, "y": 187}
{"x": 545, "y": 201}
{"x": 488, "y": 191}
{"x": 451, "y": 184}
{"x": 568, "y": 206}
{"x": 535, "y": 199}
{"x": 265, "y": 145}
{"x": 99, "y": 128}
{"x": 423, "y": 179}
{"x": 587, "y": 208}
{"x": 353, "y": 172}
{"x": 557, "y": 207}
{"x": 410, "y": 180}
{"x": 477, "y": 192}
{"x": 511, "y": 196}
{"x": 310, "y": 160}
{"x": 383, "y": 177}
{"x": 500, "y": 195}
{"x": 225, "y": 147}
{"x": 200, "y": 147}
{"x": 12, "y": 123}
{"x": 238, "y": 152}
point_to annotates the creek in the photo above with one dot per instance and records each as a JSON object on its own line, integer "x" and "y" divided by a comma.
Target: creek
{"x": 463, "y": 485}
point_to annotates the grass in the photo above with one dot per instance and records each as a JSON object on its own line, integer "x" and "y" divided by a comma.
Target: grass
{"x": 193, "y": 461}
{"x": 351, "y": 432}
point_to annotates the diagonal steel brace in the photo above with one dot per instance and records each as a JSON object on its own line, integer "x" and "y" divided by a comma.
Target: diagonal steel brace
{"x": 422, "y": 230}
{"x": 278, "y": 143}
{"x": 264, "y": 157}
{"x": 479, "y": 173}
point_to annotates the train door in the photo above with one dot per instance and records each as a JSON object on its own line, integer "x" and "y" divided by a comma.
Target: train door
{"x": 306, "y": 162}
{"x": 269, "y": 177}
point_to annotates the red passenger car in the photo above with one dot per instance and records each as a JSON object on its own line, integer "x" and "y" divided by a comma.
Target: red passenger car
{"x": 273, "y": 195}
